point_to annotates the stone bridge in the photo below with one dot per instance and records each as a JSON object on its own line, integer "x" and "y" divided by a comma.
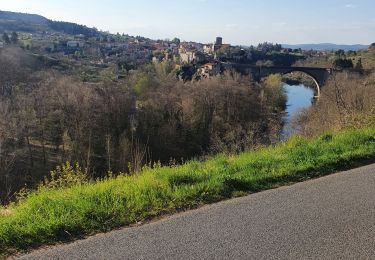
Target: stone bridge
{"x": 319, "y": 75}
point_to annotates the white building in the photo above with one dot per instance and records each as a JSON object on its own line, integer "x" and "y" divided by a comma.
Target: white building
{"x": 208, "y": 48}
{"x": 1, "y": 45}
{"x": 75, "y": 44}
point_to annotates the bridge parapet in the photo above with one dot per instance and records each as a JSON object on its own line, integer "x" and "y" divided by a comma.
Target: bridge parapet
{"x": 319, "y": 75}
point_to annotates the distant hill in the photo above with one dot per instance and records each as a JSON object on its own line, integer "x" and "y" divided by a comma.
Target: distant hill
{"x": 30, "y": 18}
{"x": 326, "y": 47}
{"x": 21, "y": 22}
{"x": 10, "y": 21}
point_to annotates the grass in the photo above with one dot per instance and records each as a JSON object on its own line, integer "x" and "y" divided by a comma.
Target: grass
{"x": 49, "y": 216}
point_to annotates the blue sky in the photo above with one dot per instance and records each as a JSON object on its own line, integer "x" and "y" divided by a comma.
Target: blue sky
{"x": 237, "y": 21}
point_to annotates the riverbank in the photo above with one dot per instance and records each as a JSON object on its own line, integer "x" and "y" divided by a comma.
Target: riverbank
{"x": 49, "y": 216}
{"x": 299, "y": 97}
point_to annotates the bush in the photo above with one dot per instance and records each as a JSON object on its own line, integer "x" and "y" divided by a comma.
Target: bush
{"x": 65, "y": 176}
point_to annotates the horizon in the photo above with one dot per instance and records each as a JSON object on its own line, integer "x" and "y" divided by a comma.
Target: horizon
{"x": 203, "y": 20}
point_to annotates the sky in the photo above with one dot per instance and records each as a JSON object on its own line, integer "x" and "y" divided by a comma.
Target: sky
{"x": 239, "y": 22}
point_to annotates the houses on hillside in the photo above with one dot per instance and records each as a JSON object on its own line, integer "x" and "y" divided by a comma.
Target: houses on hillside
{"x": 204, "y": 55}
{"x": 126, "y": 51}
{"x": 190, "y": 54}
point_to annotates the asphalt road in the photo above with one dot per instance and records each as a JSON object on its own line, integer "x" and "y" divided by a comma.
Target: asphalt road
{"x": 327, "y": 218}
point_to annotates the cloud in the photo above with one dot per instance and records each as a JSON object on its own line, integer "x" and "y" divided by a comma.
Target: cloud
{"x": 350, "y": 6}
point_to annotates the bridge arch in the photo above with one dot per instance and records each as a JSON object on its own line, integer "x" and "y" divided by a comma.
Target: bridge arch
{"x": 318, "y": 86}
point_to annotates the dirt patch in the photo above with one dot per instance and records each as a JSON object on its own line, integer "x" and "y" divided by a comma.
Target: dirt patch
{"x": 5, "y": 212}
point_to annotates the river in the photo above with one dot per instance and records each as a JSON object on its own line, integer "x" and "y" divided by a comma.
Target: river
{"x": 299, "y": 97}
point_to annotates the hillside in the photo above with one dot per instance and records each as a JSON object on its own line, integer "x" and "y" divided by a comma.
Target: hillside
{"x": 21, "y": 22}
{"x": 10, "y": 21}
{"x": 30, "y": 18}
{"x": 326, "y": 47}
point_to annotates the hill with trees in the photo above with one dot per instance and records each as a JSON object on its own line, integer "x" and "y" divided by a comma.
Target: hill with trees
{"x": 22, "y": 22}
{"x": 326, "y": 46}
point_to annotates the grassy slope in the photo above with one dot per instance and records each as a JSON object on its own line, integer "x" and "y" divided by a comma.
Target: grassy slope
{"x": 49, "y": 216}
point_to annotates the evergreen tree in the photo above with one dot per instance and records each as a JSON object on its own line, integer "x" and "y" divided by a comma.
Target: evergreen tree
{"x": 6, "y": 38}
{"x": 358, "y": 66}
{"x": 14, "y": 38}
{"x": 176, "y": 41}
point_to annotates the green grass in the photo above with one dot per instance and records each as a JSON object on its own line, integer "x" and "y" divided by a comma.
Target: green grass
{"x": 50, "y": 216}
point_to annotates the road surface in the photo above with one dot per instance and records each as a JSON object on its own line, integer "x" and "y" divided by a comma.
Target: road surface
{"x": 328, "y": 218}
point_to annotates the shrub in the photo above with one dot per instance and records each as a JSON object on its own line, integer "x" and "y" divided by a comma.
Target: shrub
{"x": 65, "y": 176}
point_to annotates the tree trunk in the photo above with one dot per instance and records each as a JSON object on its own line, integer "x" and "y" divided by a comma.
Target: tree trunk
{"x": 88, "y": 159}
{"x": 43, "y": 142}
{"x": 31, "y": 158}
{"x": 108, "y": 137}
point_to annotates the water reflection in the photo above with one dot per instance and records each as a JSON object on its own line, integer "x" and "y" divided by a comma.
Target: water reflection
{"x": 299, "y": 97}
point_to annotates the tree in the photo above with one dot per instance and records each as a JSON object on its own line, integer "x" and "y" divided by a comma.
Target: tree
{"x": 14, "y": 38}
{"x": 358, "y": 66}
{"x": 267, "y": 47}
{"x": 372, "y": 48}
{"x": 343, "y": 63}
{"x": 340, "y": 54}
{"x": 176, "y": 41}
{"x": 351, "y": 53}
{"x": 6, "y": 38}
{"x": 7, "y": 150}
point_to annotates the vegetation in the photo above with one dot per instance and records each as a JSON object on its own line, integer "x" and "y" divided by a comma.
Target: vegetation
{"x": 48, "y": 118}
{"x": 6, "y": 38}
{"x": 347, "y": 101}
{"x": 361, "y": 60}
{"x": 10, "y": 21}
{"x": 342, "y": 63}
{"x": 72, "y": 28}
{"x": 54, "y": 213}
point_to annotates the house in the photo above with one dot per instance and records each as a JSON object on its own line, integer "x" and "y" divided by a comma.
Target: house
{"x": 208, "y": 48}
{"x": 1, "y": 45}
{"x": 199, "y": 57}
{"x": 210, "y": 69}
{"x": 190, "y": 52}
{"x": 192, "y": 56}
{"x": 79, "y": 36}
{"x": 222, "y": 46}
{"x": 74, "y": 44}
{"x": 186, "y": 57}
{"x": 186, "y": 53}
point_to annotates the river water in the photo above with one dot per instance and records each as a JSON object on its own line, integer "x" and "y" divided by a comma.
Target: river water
{"x": 299, "y": 97}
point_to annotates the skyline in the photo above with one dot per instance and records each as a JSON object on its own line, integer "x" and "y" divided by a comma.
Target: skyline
{"x": 239, "y": 22}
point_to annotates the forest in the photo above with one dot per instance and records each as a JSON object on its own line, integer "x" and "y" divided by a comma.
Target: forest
{"x": 48, "y": 118}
